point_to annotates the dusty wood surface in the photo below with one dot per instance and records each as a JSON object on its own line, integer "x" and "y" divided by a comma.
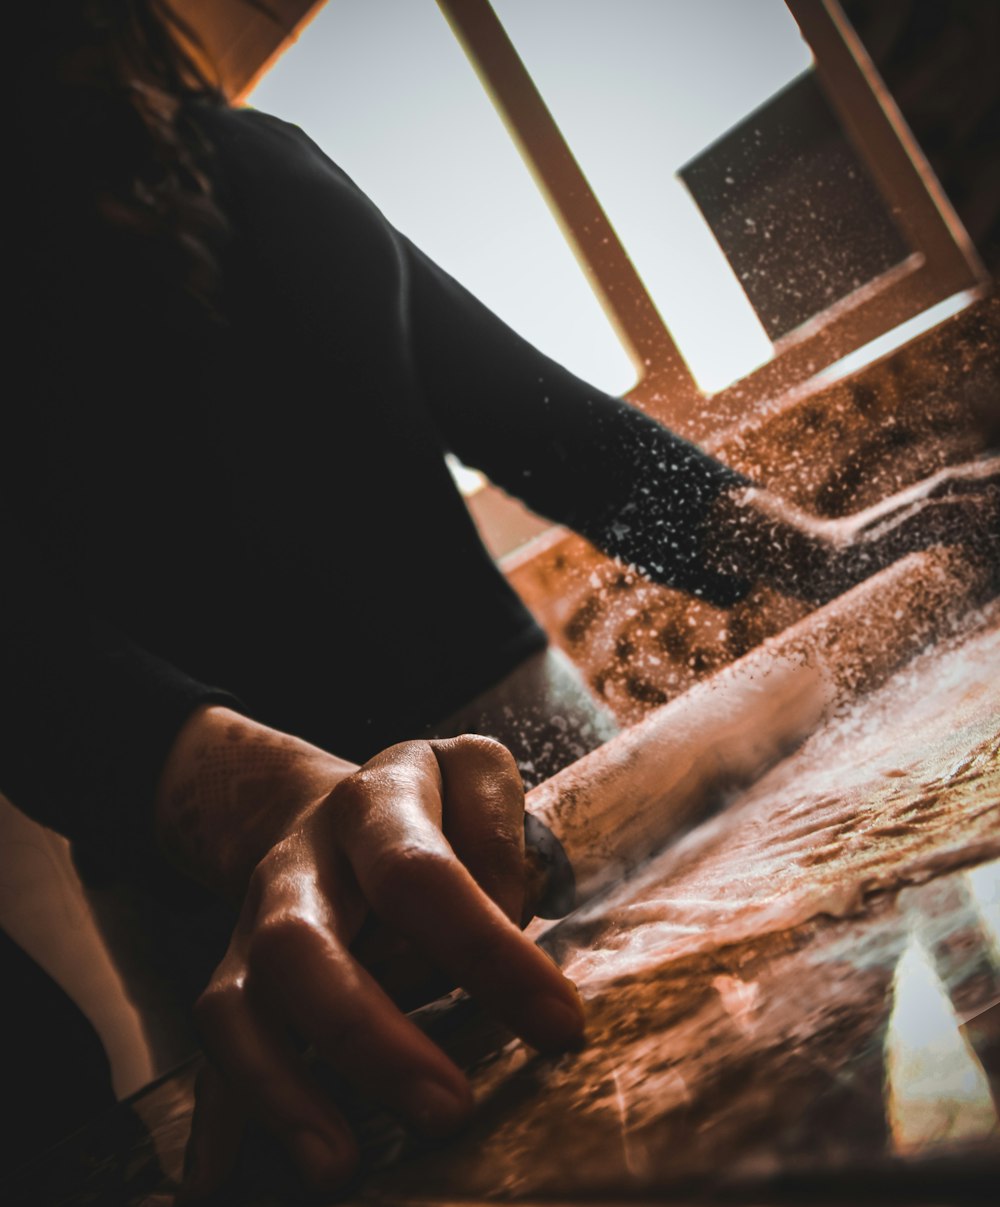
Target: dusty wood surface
{"x": 748, "y": 997}
{"x": 618, "y": 805}
{"x": 833, "y": 452}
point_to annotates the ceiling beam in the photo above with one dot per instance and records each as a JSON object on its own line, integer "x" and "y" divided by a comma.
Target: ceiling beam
{"x": 241, "y": 39}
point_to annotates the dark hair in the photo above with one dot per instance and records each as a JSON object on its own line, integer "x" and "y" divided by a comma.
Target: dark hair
{"x": 109, "y": 96}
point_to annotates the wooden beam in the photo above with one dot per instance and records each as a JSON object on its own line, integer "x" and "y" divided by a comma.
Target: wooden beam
{"x": 586, "y": 227}
{"x": 242, "y": 40}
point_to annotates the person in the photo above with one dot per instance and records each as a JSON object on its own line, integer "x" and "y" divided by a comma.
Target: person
{"x": 241, "y": 588}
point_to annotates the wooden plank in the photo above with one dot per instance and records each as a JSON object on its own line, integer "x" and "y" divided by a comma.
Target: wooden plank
{"x": 584, "y": 224}
{"x": 242, "y": 41}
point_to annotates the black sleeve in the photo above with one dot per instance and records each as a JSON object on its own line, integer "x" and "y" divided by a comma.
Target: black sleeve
{"x": 572, "y": 453}
{"x": 87, "y": 718}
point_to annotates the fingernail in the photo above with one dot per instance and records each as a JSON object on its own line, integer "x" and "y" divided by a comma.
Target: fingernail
{"x": 434, "y": 1110}
{"x": 558, "y": 1024}
{"x": 324, "y": 1163}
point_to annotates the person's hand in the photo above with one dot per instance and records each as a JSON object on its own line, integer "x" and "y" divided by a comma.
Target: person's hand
{"x": 758, "y": 535}
{"x": 427, "y": 839}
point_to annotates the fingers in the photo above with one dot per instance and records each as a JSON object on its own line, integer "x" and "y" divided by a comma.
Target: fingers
{"x": 257, "y": 1067}
{"x": 404, "y": 973}
{"x": 393, "y": 801}
{"x": 312, "y": 983}
{"x": 216, "y": 1131}
{"x": 414, "y": 883}
{"x": 424, "y": 893}
{"x": 441, "y": 909}
{"x": 483, "y": 816}
{"x": 375, "y": 845}
{"x": 290, "y": 974}
{"x": 483, "y": 819}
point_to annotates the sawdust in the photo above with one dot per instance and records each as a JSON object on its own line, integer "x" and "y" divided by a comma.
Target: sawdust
{"x": 901, "y": 786}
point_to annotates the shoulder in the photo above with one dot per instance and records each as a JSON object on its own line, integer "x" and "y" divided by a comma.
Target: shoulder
{"x": 268, "y": 171}
{"x": 235, "y": 130}
{"x": 293, "y": 209}
{"x": 256, "y": 148}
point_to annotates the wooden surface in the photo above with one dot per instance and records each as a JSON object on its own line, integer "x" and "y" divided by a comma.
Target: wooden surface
{"x": 618, "y": 805}
{"x": 751, "y": 998}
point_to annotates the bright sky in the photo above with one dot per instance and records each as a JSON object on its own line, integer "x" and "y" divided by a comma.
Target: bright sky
{"x": 637, "y": 86}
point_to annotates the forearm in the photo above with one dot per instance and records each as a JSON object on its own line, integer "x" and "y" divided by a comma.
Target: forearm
{"x": 753, "y": 534}
{"x": 229, "y": 789}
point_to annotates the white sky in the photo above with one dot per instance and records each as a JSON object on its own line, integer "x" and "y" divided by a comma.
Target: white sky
{"x": 637, "y": 86}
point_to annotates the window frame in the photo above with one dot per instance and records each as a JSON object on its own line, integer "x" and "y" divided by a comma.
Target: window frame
{"x": 943, "y": 264}
{"x": 243, "y": 44}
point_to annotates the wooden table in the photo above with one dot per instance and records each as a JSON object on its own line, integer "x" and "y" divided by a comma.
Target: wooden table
{"x": 798, "y": 1003}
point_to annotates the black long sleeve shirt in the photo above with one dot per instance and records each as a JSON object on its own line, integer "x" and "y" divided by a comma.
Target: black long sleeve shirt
{"x": 260, "y": 513}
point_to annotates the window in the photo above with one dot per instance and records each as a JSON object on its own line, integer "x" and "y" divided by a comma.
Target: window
{"x": 677, "y": 148}
{"x": 385, "y": 88}
{"x": 922, "y": 258}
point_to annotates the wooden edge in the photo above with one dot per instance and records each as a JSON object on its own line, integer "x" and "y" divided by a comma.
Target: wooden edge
{"x": 582, "y": 219}
{"x": 874, "y": 123}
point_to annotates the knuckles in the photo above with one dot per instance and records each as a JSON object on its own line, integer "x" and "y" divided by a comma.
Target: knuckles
{"x": 272, "y": 953}
{"x": 216, "y": 1007}
{"x": 492, "y": 755}
{"x": 357, "y": 790}
{"x": 279, "y": 936}
{"x": 279, "y": 944}
{"x": 399, "y": 769}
